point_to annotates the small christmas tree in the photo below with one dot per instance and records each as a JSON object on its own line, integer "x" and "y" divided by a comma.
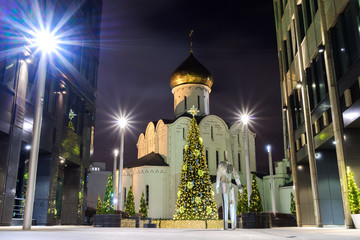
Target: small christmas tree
{"x": 108, "y": 203}
{"x": 98, "y": 206}
{"x": 292, "y": 204}
{"x": 353, "y": 192}
{"x": 255, "y": 200}
{"x": 143, "y": 208}
{"x": 130, "y": 204}
{"x": 195, "y": 194}
{"x": 242, "y": 203}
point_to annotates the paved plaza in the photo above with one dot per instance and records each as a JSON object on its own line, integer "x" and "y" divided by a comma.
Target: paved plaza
{"x": 91, "y": 233}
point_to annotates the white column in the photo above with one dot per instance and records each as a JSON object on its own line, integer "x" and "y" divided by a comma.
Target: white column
{"x": 247, "y": 164}
{"x": 35, "y": 142}
{"x": 121, "y": 161}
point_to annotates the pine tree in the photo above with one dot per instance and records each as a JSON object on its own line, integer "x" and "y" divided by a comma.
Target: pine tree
{"x": 143, "y": 208}
{"x": 242, "y": 203}
{"x": 255, "y": 200}
{"x": 292, "y": 204}
{"x": 108, "y": 203}
{"x": 130, "y": 204}
{"x": 354, "y": 193}
{"x": 98, "y": 206}
{"x": 195, "y": 194}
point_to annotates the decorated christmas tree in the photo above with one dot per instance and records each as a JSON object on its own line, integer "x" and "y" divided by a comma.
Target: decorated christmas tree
{"x": 143, "y": 207}
{"x": 292, "y": 204}
{"x": 108, "y": 203}
{"x": 98, "y": 206}
{"x": 130, "y": 204}
{"x": 195, "y": 195}
{"x": 242, "y": 203}
{"x": 255, "y": 200}
{"x": 354, "y": 193}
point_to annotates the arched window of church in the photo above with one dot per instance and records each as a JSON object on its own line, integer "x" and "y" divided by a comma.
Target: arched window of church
{"x": 224, "y": 155}
{"x": 207, "y": 158}
{"x": 212, "y": 133}
{"x": 217, "y": 159}
{"x": 238, "y": 138}
{"x": 185, "y": 102}
{"x": 239, "y": 162}
{"x": 183, "y": 133}
{"x": 124, "y": 196}
{"x": 198, "y": 102}
{"x": 147, "y": 195}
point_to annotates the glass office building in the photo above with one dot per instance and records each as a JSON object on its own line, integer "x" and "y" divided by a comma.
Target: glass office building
{"x": 319, "y": 49}
{"x": 68, "y": 116}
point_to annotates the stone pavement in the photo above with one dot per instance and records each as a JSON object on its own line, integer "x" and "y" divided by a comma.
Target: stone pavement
{"x": 91, "y": 233}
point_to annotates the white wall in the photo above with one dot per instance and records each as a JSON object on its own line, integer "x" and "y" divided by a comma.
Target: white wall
{"x": 285, "y": 200}
{"x": 156, "y": 177}
{"x": 191, "y": 92}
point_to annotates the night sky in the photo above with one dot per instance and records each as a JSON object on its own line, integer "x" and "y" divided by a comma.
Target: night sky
{"x": 143, "y": 42}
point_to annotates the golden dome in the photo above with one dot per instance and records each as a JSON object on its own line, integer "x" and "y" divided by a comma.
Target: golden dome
{"x": 191, "y": 71}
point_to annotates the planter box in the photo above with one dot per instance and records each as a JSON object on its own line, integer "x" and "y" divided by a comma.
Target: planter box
{"x": 256, "y": 220}
{"x": 356, "y": 220}
{"x": 128, "y": 223}
{"x": 190, "y": 224}
{"x": 107, "y": 220}
{"x": 214, "y": 224}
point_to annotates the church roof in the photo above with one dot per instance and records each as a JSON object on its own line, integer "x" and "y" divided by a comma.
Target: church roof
{"x": 151, "y": 159}
{"x": 191, "y": 71}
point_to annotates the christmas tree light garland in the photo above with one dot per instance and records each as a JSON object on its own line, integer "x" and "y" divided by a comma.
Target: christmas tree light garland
{"x": 195, "y": 195}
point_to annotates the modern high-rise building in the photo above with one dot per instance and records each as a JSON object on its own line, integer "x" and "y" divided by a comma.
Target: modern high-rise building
{"x": 319, "y": 58}
{"x": 69, "y": 108}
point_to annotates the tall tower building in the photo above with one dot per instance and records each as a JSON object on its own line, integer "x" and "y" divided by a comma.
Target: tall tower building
{"x": 319, "y": 58}
{"x": 68, "y": 109}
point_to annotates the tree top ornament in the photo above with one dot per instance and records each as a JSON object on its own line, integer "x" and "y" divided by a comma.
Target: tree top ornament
{"x": 193, "y": 111}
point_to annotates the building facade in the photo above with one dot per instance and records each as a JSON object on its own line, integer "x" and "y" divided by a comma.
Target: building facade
{"x": 68, "y": 114}
{"x": 319, "y": 51}
{"x": 157, "y": 170}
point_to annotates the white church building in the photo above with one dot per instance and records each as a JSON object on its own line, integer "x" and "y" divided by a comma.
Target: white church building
{"x": 157, "y": 170}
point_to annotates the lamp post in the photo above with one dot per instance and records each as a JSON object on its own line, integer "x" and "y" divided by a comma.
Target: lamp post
{"x": 122, "y": 122}
{"x": 116, "y": 153}
{"x": 245, "y": 120}
{"x": 272, "y": 186}
{"x": 45, "y": 42}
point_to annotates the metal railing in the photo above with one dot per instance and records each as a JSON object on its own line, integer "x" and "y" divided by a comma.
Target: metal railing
{"x": 18, "y": 211}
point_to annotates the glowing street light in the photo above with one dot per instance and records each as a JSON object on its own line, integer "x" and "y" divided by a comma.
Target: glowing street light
{"x": 272, "y": 186}
{"x": 122, "y": 122}
{"x": 46, "y": 43}
{"x": 116, "y": 153}
{"x": 245, "y": 118}
{"x": 27, "y": 147}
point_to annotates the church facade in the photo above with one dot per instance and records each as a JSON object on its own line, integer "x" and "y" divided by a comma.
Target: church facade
{"x": 157, "y": 170}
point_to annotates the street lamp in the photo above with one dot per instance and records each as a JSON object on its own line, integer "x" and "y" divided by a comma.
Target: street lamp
{"x": 272, "y": 186}
{"x": 45, "y": 42}
{"x": 116, "y": 153}
{"x": 245, "y": 120}
{"x": 122, "y": 122}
